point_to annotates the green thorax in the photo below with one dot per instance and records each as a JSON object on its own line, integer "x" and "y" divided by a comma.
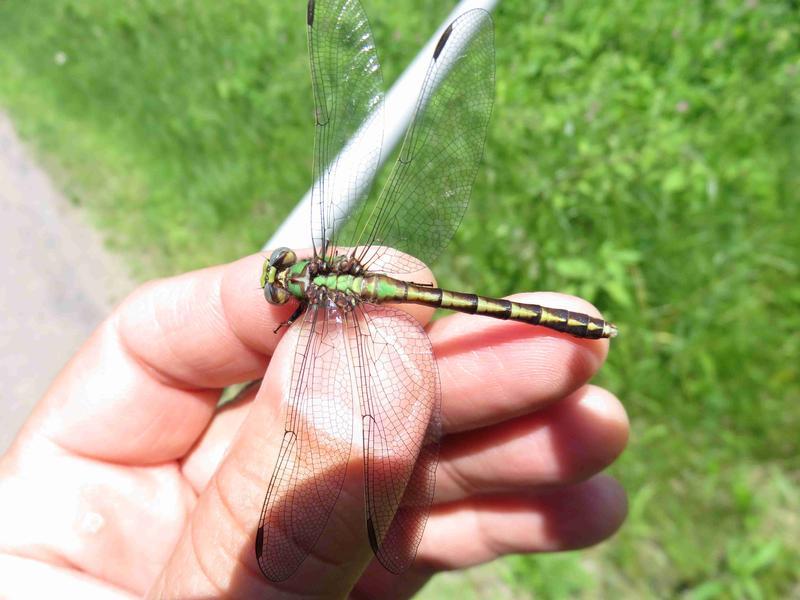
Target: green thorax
{"x": 295, "y": 279}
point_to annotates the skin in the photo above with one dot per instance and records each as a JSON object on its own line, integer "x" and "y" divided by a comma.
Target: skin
{"x": 128, "y": 481}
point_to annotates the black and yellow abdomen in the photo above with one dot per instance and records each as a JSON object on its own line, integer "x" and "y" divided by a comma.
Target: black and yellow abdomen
{"x": 379, "y": 288}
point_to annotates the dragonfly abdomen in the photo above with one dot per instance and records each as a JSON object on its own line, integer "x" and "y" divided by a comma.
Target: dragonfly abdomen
{"x": 387, "y": 289}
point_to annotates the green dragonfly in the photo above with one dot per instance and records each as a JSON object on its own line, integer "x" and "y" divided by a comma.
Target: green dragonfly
{"x": 352, "y": 347}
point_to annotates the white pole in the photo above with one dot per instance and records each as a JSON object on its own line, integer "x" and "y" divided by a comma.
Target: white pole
{"x": 295, "y": 231}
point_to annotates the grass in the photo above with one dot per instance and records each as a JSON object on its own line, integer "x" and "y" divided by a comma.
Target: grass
{"x": 643, "y": 154}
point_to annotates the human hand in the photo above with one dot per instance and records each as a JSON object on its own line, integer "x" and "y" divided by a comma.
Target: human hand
{"x": 127, "y": 480}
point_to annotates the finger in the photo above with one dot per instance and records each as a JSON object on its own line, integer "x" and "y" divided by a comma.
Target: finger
{"x": 215, "y": 552}
{"x": 218, "y": 546}
{"x": 564, "y": 443}
{"x": 145, "y": 385}
{"x": 482, "y": 529}
{"x": 493, "y": 370}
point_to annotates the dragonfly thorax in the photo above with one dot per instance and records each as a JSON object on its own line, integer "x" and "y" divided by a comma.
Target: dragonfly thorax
{"x": 317, "y": 280}
{"x": 333, "y": 281}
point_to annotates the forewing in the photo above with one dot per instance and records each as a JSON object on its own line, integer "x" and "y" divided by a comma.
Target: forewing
{"x": 315, "y": 449}
{"x": 398, "y": 389}
{"x": 348, "y": 98}
{"x": 428, "y": 189}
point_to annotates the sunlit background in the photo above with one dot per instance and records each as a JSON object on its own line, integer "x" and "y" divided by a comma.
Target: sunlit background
{"x": 643, "y": 154}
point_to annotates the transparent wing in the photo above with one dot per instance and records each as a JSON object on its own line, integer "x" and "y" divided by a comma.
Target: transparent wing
{"x": 399, "y": 395}
{"x": 315, "y": 449}
{"x": 428, "y": 189}
{"x": 348, "y": 97}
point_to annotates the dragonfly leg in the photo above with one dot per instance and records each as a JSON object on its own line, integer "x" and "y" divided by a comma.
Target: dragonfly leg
{"x": 350, "y": 302}
{"x": 346, "y": 265}
{"x": 298, "y": 311}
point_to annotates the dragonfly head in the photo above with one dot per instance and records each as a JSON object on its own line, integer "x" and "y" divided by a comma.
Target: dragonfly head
{"x": 273, "y": 277}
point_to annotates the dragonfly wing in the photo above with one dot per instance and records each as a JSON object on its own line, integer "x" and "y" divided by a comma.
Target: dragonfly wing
{"x": 398, "y": 388}
{"x": 315, "y": 449}
{"x": 348, "y": 98}
{"x": 428, "y": 189}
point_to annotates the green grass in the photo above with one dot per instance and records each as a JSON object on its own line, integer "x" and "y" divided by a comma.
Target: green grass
{"x": 643, "y": 154}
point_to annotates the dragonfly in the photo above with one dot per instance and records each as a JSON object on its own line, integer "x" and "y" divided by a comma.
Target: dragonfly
{"x": 358, "y": 357}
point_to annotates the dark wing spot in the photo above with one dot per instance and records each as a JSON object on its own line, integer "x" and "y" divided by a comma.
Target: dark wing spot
{"x": 310, "y": 13}
{"x": 260, "y": 540}
{"x": 442, "y": 41}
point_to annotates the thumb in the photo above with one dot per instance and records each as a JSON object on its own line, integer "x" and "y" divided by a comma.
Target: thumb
{"x": 307, "y": 547}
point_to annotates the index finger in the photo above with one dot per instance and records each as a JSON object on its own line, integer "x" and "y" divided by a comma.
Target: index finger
{"x": 144, "y": 385}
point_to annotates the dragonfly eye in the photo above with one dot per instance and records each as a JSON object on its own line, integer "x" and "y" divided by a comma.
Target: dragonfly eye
{"x": 275, "y": 294}
{"x": 282, "y": 258}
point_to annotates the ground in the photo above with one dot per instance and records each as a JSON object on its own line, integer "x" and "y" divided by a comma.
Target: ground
{"x": 63, "y": 281}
